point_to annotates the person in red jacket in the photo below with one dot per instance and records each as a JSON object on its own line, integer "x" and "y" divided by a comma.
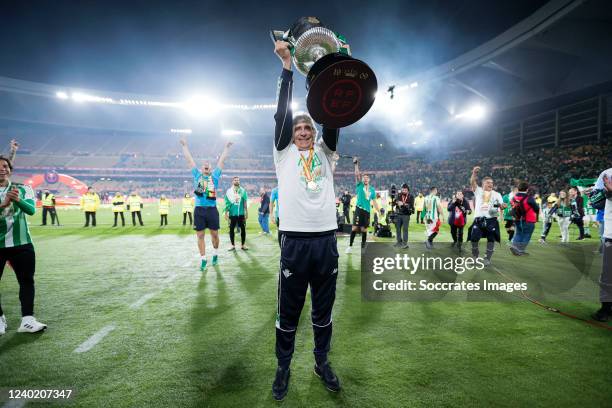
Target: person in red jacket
{"x": 525, "y": 211}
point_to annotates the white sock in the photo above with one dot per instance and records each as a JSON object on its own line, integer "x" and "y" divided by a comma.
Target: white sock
{"x": 214, "y": 251}
{"x": 203, "y": 257}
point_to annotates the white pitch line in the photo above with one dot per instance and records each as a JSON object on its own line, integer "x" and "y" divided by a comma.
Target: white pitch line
{"x": 143, "y": 299}
{"x": 95, "y": 339}
{"x": 20, "y": 403}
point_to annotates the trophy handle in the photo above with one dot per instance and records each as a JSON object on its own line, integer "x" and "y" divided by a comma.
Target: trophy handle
{"x": 277, "y": 35}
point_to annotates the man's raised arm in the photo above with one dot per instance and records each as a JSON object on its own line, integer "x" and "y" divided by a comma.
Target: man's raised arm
{"x": 187, "y": 154}
{"x": 13, "y": 153}
{"x": 357, "y": 174}
{"x": 474, "y": 178}
{"x": 283, "y": 131}
{"x": 221, "y": 161}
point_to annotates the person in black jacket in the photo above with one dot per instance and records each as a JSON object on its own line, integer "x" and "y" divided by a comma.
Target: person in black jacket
{"x": 577, "y": 203}
{"x": 346, "y": 206}
{"x": 458, "y": 210}
{"x": 404, "y": 207}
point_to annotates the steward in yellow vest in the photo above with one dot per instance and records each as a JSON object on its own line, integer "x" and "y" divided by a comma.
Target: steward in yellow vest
{"x": 118, "y": 208}
{"x": 48, "y": 206}
{"x": 188, "y": 205}
{"x": 135, "y": 205}
{"x": 419, "y": 202}
{"x": 90, "y": 201}
{"x": 164, "y": 209}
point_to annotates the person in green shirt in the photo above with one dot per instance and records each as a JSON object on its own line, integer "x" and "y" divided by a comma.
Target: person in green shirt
{"x": 237, "y": 211}
{"x": 508, "y": 218}
{"x": 366, "y": 195}
{"x": 16, "y": 202}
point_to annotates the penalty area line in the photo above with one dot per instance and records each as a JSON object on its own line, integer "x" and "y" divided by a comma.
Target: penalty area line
{"x": 95, "y": 339}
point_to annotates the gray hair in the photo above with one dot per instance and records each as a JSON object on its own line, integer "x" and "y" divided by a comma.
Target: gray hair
{"x": 304, "y": 117}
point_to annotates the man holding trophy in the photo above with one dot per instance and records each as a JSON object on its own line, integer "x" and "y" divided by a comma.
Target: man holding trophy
{"x": 309, "y": 253}
{"x": 341, "y": 90}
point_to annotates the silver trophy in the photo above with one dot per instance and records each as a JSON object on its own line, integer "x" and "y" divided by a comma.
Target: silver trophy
{"x": 341, "y": 89}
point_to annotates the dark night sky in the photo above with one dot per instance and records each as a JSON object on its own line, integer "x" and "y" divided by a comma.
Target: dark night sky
{"x": 174, "y": 47}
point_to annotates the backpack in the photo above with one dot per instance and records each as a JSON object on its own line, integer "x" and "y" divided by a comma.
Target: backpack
{"x": 518, "y": 208}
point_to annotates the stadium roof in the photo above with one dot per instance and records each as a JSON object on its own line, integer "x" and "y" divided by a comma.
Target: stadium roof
{"x": 562, "y": 48}
{"x": 548, "y": 51}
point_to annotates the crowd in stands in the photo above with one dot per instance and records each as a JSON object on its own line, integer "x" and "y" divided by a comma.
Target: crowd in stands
{"x": 546, "y": 170}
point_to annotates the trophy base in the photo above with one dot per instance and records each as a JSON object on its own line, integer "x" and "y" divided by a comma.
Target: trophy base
{"x": 341, "y": 90}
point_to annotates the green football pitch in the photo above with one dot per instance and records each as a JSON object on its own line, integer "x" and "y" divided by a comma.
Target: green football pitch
{"x": 134, "y": 323}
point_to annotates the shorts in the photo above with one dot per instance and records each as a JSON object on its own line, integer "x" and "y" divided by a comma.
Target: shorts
{"x": 432, "y": 226}
{"x": 362, "y": 218}
{"x": 484, "y": 228}
{"x": 206, "y": 217}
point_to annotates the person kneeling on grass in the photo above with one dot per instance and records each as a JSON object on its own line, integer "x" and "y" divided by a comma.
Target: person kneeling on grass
{"x": 17, "y": 201}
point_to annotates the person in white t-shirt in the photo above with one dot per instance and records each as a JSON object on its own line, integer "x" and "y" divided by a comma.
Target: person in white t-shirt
{"x": 487, "y": 205}
{"x": 309, "y": 251}
{"x": 604, "y": 182}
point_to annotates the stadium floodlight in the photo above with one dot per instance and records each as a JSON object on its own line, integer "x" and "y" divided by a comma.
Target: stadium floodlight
{"x": 394, "y": 108}
{"x": 82, "y": 97}
{"x": 415, "y": 123}
{"x": 183, "y": 131}
{"x": 61, "y": 95}
{"x": 476, "y": 112}
{"x": 202, "y": 106}
{"x": 229, "y": 132}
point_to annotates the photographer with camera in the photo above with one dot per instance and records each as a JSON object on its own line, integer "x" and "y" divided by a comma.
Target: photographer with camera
{"x": 404, "y": 208}
{"x": 458, "y": 210}
{"x": 206, "y": 214}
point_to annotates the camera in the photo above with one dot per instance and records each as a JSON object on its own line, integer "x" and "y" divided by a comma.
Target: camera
{"x": 393, "y": 192}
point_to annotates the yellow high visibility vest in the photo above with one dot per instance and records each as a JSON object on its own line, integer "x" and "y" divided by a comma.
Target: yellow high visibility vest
{"x": 134, "y": 202}
{"x": 188, "y": 204}
{"x": 118, "y": 204}
{"x": 90, "y": 202}
{"x": 164, "y": 206}
{"x": 418, "y": 203}
{"x": 47, "y": 200}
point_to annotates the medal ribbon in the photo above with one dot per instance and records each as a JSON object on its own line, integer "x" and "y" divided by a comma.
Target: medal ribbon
{"x": 306, "y": 164}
